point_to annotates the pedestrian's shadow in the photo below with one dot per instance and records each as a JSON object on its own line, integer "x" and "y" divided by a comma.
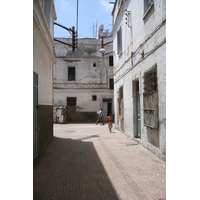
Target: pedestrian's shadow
{"x": 71, "y": 169}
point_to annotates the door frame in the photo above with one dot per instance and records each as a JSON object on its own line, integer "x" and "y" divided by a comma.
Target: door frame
{"x": 35, "y": 116}
{"x": 136, "y": 109}
{"x": 105, "y": 107}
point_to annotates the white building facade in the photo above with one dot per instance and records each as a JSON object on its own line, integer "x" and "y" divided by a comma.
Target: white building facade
{"x": 83, "y": 80}
{"x": 139, "y": 45}
{"x": 43, "y": 58}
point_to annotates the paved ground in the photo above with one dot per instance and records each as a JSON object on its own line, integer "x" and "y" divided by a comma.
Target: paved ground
{"x": 85, "y": 161}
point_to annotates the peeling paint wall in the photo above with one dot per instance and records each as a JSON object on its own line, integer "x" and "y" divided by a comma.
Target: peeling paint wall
{"x": 143, "y": 47}
{"x": 92, "y": 74}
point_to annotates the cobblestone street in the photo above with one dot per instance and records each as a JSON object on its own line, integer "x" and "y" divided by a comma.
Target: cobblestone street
{"x": 86, "y": 161}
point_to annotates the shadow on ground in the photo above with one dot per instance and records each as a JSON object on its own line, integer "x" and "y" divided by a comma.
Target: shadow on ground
{"x": 71, "y": 169}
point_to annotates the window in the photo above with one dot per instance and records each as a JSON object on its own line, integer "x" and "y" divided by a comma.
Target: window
{"x": 111, "y": 84}
{"x": 94, "y": 64}
{"x": 71, "y": 101}
{"x": 150, "y": 98}
{"x": 119, "y": 41}
{"x": 47, "y": 11}
{"x": 94, "y": 97}
{"x": 71, "y": 73}
{"x": 110, "y": 61}
{"x": 147, "y": 5}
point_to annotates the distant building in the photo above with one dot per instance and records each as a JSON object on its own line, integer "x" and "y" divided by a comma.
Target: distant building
{"x": 43, "y": 58}
{"x": 83, "y": 80}
{"x": 139, "y": 45}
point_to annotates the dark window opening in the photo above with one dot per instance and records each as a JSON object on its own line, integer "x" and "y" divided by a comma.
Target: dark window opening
{"x": 111, "y": 61}
{"x": 94, "y": 64}
{"x": 94, "y": 97}
{"x": 71, "y": 73}
{"x": 111, "y": 84}
{"x": 71, "y": 101}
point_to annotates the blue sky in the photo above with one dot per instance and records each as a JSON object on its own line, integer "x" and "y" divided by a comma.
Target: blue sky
{"x": 91, "y": 12}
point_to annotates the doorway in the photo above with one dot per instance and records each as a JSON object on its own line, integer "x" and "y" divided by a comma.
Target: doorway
{"x": 107, "y": 108}
{"x": 71, "y": 109}
{"x": 35, "y": 116}
{"x": 137, "y": 109}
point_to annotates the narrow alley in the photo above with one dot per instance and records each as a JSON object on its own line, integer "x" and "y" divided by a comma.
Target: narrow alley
{"x": 86, "y": 161}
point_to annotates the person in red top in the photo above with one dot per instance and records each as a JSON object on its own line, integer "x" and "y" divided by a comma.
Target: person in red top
{"x": 109, "y": 119}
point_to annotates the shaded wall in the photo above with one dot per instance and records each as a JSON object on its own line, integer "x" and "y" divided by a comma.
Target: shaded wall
{"x": 45, "y": 129}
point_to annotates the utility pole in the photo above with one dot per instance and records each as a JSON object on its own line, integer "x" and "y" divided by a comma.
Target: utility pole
{"x": 77, "y": 20}
{"x": 76, "y": 35}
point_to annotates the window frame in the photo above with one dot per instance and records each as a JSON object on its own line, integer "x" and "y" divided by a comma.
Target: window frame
{"x": 111, "y": 84}
{"x": 150, "y": 98}
{"x": 119, "y": 41}
{"x": 94, "y": 97}
{"x": 73, "y": 76}
{"x": 111, "y": 61}
{"x": 148, "y": 4}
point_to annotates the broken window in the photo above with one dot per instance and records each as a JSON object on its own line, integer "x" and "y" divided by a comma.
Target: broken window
{"x": 150, "y": 98}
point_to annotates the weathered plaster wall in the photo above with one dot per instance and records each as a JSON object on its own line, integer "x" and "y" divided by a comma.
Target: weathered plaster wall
{"x": 146, "y": 39}
{"x": 43, "y": 59}
{"x": 89, "y": 80}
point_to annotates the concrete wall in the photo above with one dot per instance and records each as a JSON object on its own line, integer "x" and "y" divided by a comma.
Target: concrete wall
{"x": 89, "y": 80}
{"x": 144, "y": 46}
{"x": 43, "y": 59}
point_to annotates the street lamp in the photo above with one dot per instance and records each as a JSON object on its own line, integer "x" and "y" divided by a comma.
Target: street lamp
{"x": 102, "y": 50}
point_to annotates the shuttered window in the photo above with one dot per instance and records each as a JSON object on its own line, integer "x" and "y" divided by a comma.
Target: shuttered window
{"x": 119, "y": 41}
{"x": 150, "y": 99}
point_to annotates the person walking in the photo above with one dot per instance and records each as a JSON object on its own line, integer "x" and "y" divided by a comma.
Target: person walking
{"x": 100, "y": 117}
{"x": 109, "y": 119}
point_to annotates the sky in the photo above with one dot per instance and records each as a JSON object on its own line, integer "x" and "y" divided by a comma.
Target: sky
{"x": 91, "y": 13}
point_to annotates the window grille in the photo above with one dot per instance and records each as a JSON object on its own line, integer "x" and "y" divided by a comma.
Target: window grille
{"x": 94, "y": 97}
{"x": 150, "y": 99}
